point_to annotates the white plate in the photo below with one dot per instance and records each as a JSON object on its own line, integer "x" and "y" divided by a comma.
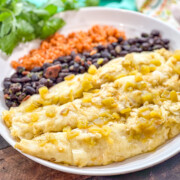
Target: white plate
{"x": 133, "y": 24}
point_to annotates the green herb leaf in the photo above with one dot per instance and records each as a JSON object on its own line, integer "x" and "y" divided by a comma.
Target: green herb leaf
{"x": 6, "y": 27}
{"x": 41, "y": 13}
{"x": 70, "y": 4}
{"x": 4, "y": 15}
{"x": 91, "y": 2}
{"x": 18, "y": 8}
{"x": 9, "y": 42}
{"x": 52, "y": 9}
{"x": 51, "y": 26}
{"x": 2, "y": 2}
{"x": 22, "y": 21}
{"x": 25, "y": 30}
{"x": 58, "y": 3}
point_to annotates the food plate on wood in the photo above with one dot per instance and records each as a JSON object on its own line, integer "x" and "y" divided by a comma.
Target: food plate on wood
{"x": 134, "y": 25}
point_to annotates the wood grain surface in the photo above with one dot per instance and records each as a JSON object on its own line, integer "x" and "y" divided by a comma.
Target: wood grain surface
{"x": 14, "y": 166}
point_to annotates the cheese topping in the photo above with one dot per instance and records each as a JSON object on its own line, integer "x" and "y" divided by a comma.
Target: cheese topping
{"x": 129, "y": 106}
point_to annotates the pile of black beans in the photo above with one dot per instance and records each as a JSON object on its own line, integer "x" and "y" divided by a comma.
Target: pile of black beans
{"x": 23, "y": 83}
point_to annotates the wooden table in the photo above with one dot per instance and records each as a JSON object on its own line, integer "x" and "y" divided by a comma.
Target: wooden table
{"x": 14, "y": 166}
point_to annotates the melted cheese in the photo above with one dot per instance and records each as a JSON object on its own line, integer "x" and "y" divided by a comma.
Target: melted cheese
{"x": 129, "y": 106}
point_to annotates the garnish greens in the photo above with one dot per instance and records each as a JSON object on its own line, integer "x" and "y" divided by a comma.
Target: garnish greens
{"x": 22, "y": 21}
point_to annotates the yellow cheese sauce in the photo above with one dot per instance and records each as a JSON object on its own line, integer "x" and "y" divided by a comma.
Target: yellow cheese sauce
{"x": 129, "y": 106}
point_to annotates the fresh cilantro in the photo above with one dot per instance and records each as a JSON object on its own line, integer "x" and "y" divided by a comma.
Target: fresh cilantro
{"x": 51, "y": 26}
{"x": 21, "y": 21}
{"x": 91, "y": 2}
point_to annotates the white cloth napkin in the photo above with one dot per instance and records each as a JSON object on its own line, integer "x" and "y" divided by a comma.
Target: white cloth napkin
{"x": 166, "y": 10}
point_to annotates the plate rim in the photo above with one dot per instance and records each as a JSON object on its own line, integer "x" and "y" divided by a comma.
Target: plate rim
{"x": 81, "y": 171}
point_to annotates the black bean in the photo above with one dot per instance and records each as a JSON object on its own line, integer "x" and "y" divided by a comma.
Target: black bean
{"x": 114, "y": 44}
{"x": 7, "y": 79}
{"x": 8, "y": 103}
{"x": 95, "y": 60}
{"x": 120, "y": 39}
{"x": 142, "y": 40}
{"x": 73, "y": 54}
{"x": 123, "y": 53}
{"x": 97, "y": 65}
{"x": 86, "y": 54}
{"x": 6, "y": 84}
{"x": 165, "y": 41}
{"x": 133, "y": 49}
{"x": 89, "y": 59}
{"x": 52, "y": 79}
{"x": 65, "y": 70}
{"x": 15, "y": 75}
{"x": 105, "y": 60}
{"x": 126, "y": 47}
{"x": 131, "y": 41}
{"x": 15, "y": 87}
{"x": 155, "y": 33}
{"x": 144, "y": 34}
{"x": 64, "y": 65}
{"x": 6, "y": 91}
{"x": 105, "y": 54}
{"x": 46, "y": 65}
{"x": 150, "y": 48}
{"x": 97, "y": 55}
{"x": 166, "y": 46}
{"x": 43, "y": 81}
{"x": 145, "y": 46}
{"x": 49, "y": 83}
{"x": 139, "y": 49}
{"x": 82, "y": 69}
{"x": 100, "y": 47}
{"x": 86, "y": 65}
{"x": 36, "y": 69}
{"x": 21, "y": 97}
{"x": 56, "y": 62}
{"x": 65, "y": 60}
{"x": 60, "y": 59}
{"x": 135, "y": 39}
{"x": 16, "y": 80}
{"x": 20, "y": 69}
{"x": 76, "y": 67}
{"x": 58, "y": 80}
{"x": 34, "y": 77}
{"x": 13, "y": 97}
{"x": 125, "y": 43}
{"x": 158, "y": 41}
{"x": 25, "y": 79}
{"x": 29, "y": 90}
{"x": 113, "y": 52}
{"x": 138, "y": 45}
{"x": 62, "y": 75}
{"x": 37, "y": 83}
{"x": 110, "y": 47}
{"x": 157, "y": 47}
{"x": 71, "y": 63}
{"x": 14, "y": 104}
{"x": 40, "y": 85}
{"x": 68, "y": 58}
{"x": 27, "y": 84}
